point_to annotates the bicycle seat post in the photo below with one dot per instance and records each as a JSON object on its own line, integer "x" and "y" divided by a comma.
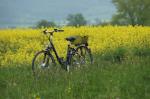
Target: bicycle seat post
{"x": 51, "y": 36}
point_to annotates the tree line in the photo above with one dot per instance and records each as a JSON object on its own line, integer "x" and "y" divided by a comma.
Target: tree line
{"x": 129, "y": 12}
{"x": 72, "y": 20}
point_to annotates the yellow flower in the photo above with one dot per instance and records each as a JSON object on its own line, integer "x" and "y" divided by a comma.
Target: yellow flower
{"x": 17, "y": 46}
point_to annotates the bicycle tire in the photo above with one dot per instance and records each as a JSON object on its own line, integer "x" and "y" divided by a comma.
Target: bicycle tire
{"x": 45, "y": 62}
{"x": 78, "y": 57}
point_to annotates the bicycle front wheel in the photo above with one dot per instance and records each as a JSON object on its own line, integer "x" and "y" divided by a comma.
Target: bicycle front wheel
{"x": 42, "y": 62}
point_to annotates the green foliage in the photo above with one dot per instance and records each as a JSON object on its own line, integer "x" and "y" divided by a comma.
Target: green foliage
{"x": 102, "y": 80}
{"x": 116, "y": 55}
{"x": 119, "y": 54}
{"x": 134, "y": 12}
{"x": 45, "y": 23}
{"x": 76, "y": 20}
{"x": 141, "y": 51}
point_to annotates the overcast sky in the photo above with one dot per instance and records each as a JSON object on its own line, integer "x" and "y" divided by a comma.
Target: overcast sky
{"x": 27, "y": 12}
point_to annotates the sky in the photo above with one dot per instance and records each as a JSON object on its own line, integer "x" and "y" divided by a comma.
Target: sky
{"x": 25, "y": 13}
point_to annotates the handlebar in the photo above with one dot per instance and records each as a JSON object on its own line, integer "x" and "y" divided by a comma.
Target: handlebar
{"x": 51, "y": 32}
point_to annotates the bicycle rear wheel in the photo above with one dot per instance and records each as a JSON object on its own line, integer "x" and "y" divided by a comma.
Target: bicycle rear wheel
{"x": 41, "y": 63}
{"x": 81, "y": 56}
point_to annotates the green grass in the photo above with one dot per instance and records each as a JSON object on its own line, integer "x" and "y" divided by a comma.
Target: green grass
{"x": 104, "y": 79}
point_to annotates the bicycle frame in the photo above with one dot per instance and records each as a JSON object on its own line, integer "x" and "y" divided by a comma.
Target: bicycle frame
{"x": 59, "y": 59}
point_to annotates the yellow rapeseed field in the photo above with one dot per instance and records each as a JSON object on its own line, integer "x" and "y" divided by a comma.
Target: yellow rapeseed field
{"x": 17, "y": 46}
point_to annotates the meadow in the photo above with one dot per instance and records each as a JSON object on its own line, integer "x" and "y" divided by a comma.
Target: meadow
{"x": 121, "y": 68}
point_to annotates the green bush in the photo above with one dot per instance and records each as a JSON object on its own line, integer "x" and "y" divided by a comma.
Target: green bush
{"x": 117, "y": 55}
{"x": 141, "y": 51}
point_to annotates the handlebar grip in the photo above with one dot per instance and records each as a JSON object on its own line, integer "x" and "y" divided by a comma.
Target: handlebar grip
{"x": 45, "y": 31}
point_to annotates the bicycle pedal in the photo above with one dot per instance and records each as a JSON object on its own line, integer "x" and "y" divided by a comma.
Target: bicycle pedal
{"x": 43, "y": 65}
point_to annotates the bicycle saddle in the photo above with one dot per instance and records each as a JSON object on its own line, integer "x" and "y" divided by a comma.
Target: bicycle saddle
{"x": 71, "y": 38}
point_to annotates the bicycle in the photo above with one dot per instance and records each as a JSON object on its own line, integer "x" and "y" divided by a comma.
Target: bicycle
{"x": 76, "y": 56}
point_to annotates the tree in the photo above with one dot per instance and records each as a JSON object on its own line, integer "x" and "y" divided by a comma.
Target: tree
{"x": 134, "y": 12}
{"x": 99, "y": 22}
{"x": 45, "y": 23}
{"x": 76, "y": 20}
